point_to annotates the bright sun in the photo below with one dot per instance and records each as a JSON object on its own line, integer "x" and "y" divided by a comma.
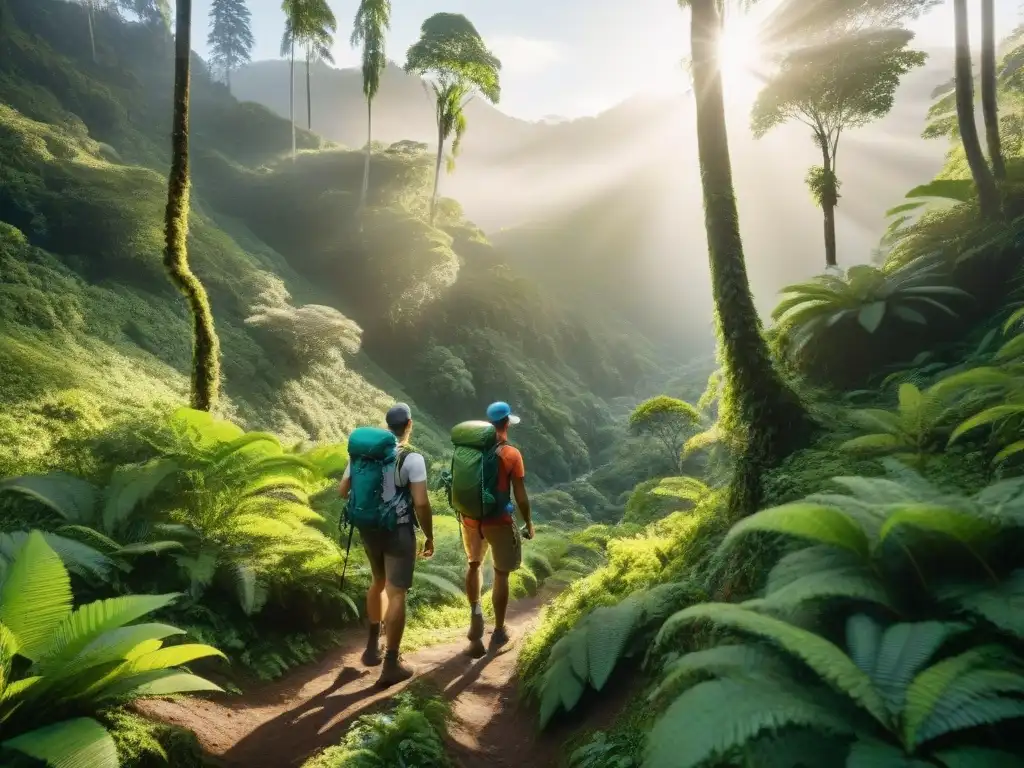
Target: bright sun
{"x": 741, "y": 60}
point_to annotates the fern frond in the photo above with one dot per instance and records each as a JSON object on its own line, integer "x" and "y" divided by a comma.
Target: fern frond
{"x": 68, "y": 744}
{"x": 809, "y": 521}
{"x": 79, "y": 558}
{"x": 714, "y": 718}
{"x": 975, "y": 698}
{"x": 928, "y": 688}
{"x": 35, "y": 597}
{"x": 609, "y": 629}
{"x": 1002, "y": 605}
{"x": 827, "y": 660}
{"x": 70, "y": 497}
{"x": 738, "y": 661}
{"x": 903, "y": 650}
{"x": 962, "y": 527}
{"x": 856, "y": 583}
{"x": 130, "y": 486}
{"x": 561, "y": 687}
{"x": 809, "y": 561}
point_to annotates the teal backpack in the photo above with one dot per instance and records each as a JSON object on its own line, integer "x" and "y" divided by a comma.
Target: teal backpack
{"x": 472, "y": 482}
{"x": 373, "y": 453}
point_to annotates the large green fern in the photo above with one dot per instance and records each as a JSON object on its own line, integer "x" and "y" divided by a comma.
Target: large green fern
{"x": 588, "y": 654}
{"x": 893, "y": 696}
{"x": 77, "y": 660}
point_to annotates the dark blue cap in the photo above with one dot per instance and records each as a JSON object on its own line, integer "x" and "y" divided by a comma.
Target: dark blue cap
{"x": 499, "y": 411}
{"x": 398, "y": 415}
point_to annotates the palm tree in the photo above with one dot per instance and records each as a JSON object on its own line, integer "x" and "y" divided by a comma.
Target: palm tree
{"x": 452, "y": 54}
{"x": 989, "y": 102}
{"x": 988, "y": 195}
{"x": 757, "y": 407}
{"x": 311, "y": 24}
{"x": 205, "y": 345}
{"x": 372, "y": 20}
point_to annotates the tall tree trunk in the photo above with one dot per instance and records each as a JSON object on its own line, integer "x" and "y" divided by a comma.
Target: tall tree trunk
{"x": 758, "y": 411}
{"x": 92, "y": 33}
{"x": 988, "y": 195}
{"x": 309, "y": 97}
{"x": 366, "y": 161}
{"x": 828, "y": 205}
{"x": 437, "y": 171}
{"x": 205, "y": 345}
{"x": 291, "y": 95}
{"x": 989, "y": 88}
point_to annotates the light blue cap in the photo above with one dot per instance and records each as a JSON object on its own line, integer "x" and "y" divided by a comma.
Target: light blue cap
{"x": 499, "y": 411}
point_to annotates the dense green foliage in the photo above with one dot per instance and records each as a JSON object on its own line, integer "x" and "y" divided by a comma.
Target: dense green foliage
{"x": 59, "y": 664}
{"x": 867, "y": 613}
{"x": 867, "y": 618}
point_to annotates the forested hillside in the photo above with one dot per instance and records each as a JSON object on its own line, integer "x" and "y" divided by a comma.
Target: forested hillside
{"x": 320, "y": 313}
{"x": 566, "y": 201}
{"x": 747, "y": 538}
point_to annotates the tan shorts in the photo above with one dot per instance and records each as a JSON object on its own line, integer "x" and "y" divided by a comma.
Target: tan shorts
{"x": 503, "y": 540}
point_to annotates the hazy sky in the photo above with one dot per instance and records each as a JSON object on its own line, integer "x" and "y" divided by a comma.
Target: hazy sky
{"x": 560, "y": 57}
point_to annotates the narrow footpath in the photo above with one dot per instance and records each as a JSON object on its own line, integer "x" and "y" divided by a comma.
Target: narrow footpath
{"x": 281, "y": 724}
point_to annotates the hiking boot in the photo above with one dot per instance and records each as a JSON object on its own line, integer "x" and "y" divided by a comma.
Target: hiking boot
{"x": 372, "y": 655}
{"x": 476, "y": 649}
{"x": 394, "y": 671}
{"x": 500, "y": 638}
{"x": 476, "y": 627}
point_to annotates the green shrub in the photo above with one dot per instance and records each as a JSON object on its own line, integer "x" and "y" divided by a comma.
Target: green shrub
{"x": 411, "y": 734}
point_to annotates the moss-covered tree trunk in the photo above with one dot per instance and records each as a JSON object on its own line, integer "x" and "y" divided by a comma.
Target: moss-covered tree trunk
{"x": 988, "y": 194}
{"x": 205, "y": 346}
{"x": 758, "y": 411}
{"x": 989, "y": 88}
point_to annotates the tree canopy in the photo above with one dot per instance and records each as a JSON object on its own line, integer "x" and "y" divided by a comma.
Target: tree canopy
{"x": 373, "y": 18}
{"x": 309, "y": 24}
{"x": 665, "y": 419}
{"x": 797, "y": 22}
{"x": 230, "y": 39}
{"x": 450, "y": 50}
{"x": 453, "y": 56}
{"x": 843, "y": 84}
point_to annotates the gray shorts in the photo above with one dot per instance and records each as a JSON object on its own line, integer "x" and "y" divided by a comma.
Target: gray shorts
{"x": 392, "y": 554}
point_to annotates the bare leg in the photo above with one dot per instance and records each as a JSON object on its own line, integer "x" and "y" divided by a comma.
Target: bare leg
{"x": 376, "y": 601}
{"x": 394, "y": 619}
{"x": 499, "y": 597}
{"x": 473, "y": 582}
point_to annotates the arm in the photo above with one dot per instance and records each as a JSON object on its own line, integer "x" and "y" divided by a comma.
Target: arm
{"x": 345, "y": 487}
{"x": 416, "y": 467}
{"x": 424, "y": 514}
{"x": 523, "y": 502}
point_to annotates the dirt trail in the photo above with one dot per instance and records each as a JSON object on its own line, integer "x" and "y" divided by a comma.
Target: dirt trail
{"x": 283, "y": 723}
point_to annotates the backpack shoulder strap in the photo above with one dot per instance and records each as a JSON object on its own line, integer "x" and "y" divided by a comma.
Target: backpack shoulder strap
{"x": 403, "y": 453}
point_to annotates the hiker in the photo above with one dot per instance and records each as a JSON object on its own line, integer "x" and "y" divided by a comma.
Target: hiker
{"x": 385, "y": 484}
{"x": 486, "y": 474}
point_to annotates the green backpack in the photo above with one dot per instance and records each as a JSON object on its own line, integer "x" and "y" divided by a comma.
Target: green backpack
{"x": 373, "y": 453}
{"x": 473, "y": 480}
